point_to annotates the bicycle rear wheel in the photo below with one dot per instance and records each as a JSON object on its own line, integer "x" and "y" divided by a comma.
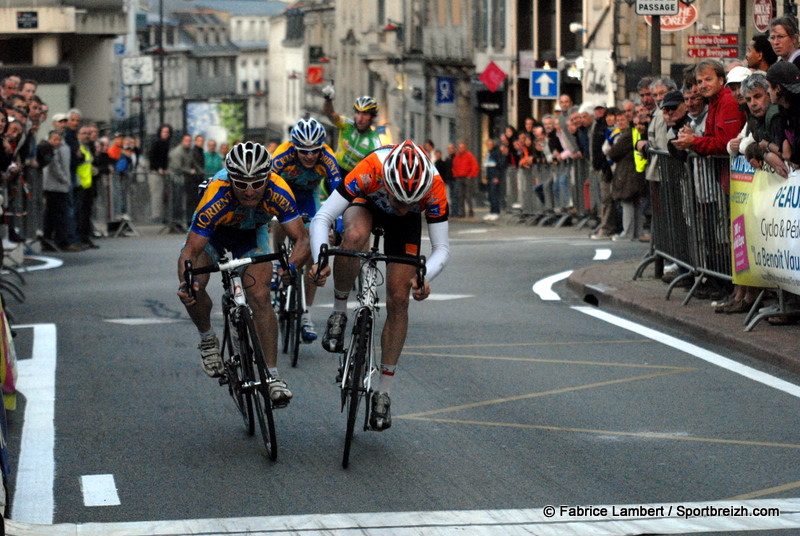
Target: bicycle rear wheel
{"x": 236, "y": 377}
{"x": 254, "y": 363}
{"x": 354, "y": 381}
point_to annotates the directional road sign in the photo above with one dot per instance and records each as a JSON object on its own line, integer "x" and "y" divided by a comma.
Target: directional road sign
{"x": 544, "y": 84}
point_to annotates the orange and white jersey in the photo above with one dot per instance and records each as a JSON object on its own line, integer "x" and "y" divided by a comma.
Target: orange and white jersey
{"x": 365, "y": 182}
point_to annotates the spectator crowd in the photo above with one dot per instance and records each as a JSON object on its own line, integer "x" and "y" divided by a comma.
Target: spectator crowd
{"x": 600, "y": 161}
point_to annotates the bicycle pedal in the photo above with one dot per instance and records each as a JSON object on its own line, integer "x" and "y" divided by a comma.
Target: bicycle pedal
{"x": 223, "y": 380}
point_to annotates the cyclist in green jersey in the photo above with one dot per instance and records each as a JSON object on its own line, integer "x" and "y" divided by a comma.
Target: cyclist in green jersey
{"x": 356, "y": 137}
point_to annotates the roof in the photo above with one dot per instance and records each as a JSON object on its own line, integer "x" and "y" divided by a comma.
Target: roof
{"x": 244, "y": 7}
{"x": 234, "y": 7}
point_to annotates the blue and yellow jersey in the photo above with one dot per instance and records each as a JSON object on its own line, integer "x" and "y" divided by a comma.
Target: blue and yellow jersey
{"x": 219, "y": 207}
{"x": 302, "y": 179}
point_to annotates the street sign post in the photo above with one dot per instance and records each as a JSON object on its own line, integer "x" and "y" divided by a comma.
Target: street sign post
{"x": 544, "y": 84}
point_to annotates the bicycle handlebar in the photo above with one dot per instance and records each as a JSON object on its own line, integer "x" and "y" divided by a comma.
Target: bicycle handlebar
{"x": 232, "y": 264}
{"x": 372, "y": 255}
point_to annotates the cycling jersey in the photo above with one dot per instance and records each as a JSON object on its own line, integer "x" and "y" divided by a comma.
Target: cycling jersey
{"x": 364, "y": 185}
{"x": 219, "y": 207}
{"x": 243, "y": 231}
{"x": 353, "y": 145}
{"x": 300, "y": 178}
{"x": 365, "y": 182}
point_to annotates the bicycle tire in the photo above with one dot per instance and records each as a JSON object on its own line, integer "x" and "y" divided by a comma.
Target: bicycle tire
{"x": 284, "y": 318}
{"x": 296, "y": 319}
{"x": 236, "y": 377}
{"x": 354, "y": 382}
{"x": 262, "y": 403}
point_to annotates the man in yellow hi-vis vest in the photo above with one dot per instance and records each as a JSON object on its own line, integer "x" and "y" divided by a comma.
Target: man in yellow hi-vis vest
{"x": 86, "y": 190}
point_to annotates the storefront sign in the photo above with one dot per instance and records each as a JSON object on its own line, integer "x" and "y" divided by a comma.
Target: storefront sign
{"x": 686, "y": 16}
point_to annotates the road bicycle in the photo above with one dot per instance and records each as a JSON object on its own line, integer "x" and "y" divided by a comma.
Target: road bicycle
{"x": 357, "y": 363}
{"x": 246, "y": 373}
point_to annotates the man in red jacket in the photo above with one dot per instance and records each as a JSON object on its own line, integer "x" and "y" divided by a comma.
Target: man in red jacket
{"x": 465, "y": 178}
{"x": 724, "y": 115}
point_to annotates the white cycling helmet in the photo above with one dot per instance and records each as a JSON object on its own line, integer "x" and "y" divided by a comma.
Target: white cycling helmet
{"x": 248, "y": 159}
{"x": 408, "y": 172}
{"x": 307, "y": 134}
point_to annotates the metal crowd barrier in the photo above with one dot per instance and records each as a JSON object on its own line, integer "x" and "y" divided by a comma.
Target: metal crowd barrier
{"x": 691, "y": 218}
{"x": 554, "y": 194}
{"x": 124, "y": 201}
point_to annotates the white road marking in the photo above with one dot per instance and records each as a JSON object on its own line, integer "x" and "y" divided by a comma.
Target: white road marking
{"x": 48, "y": 263}
{"x": 666, "y": 518}
{"x": 33, "y": 497}
{"x": 602, "y": 254}
{"x": 143, "y": 321}
{"x": 694, "y": 350}
{"x": 474, "y": 231}
{"x": 543, "y": 287}
{"x": 99, "y": 490}
{"x": 432, "y": 297}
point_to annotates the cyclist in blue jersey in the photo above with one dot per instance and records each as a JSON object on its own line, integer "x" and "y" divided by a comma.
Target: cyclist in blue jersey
{"x": 309, "y": 167}
{"x": 233, "y": 215}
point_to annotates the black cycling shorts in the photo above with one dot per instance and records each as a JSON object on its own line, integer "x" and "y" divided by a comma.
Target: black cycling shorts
{"x": 401, "y": 234}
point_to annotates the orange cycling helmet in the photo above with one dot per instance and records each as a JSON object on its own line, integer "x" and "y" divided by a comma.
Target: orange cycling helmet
{"x": 408, "y": 172}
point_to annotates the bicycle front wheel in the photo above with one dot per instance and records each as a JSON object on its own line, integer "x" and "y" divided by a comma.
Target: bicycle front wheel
{"x": 353, "y": 383}
{"x": 236, "y": 376}
{"x": 253, "y": 359}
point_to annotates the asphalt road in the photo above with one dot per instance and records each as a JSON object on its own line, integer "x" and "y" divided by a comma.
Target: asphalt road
{"x": 502, "y": 400}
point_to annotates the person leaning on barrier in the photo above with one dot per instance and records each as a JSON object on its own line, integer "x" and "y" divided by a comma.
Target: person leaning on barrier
{"x": 724, "y": 120}
{"x": 760, "y": 116}
{"x": 781, "y": 150}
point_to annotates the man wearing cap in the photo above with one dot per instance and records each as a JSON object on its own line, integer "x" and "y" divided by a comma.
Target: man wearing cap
{"x": 656, "y": 130}
{"x": 734, "y": 80}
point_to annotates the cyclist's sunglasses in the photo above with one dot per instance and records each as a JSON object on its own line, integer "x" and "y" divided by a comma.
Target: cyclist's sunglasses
{"x": 241, "y": 182}
{"x": 310, "y": 151}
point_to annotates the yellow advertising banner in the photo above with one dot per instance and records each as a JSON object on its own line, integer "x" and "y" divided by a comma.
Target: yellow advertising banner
{"x": 765, "y": 227}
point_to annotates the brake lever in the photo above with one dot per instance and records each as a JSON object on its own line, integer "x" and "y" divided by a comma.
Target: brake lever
{"x": 322, "y": 260}
{"x": 187, "y": 277}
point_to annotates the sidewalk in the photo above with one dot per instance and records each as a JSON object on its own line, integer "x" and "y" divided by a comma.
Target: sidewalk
{"x": 612, "y": 285}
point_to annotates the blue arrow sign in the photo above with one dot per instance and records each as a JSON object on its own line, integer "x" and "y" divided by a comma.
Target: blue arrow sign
{"x": 544, "y": 84}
